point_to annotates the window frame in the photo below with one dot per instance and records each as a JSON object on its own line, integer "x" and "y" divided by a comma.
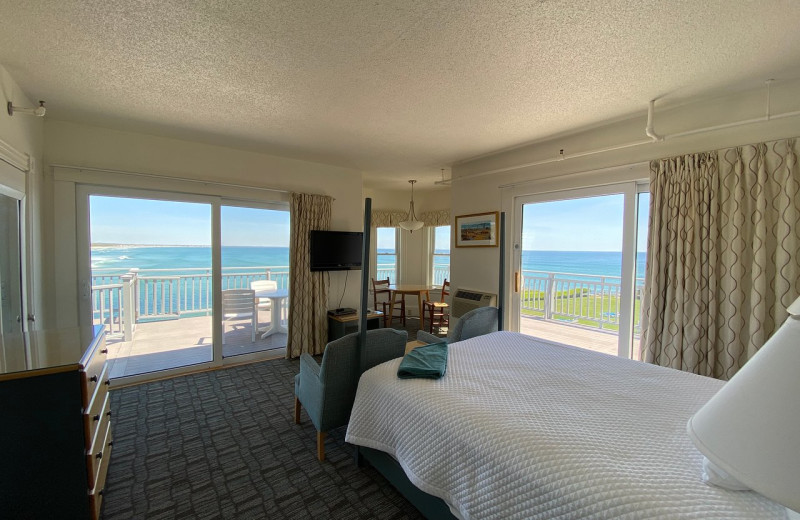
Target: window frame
{"x": 432, "y": 254}
{"x": 375, "y": 255}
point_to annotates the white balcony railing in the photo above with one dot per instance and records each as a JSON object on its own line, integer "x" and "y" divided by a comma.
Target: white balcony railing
{"x": 579, "y": 298}
{"x": 120, "y": 299}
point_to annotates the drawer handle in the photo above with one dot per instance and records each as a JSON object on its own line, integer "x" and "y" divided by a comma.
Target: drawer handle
{"x": 104, "y": 351}
{"x": 99, "y": 455}
{"x": 96, "y": 417}
{"x": 107, "y": 382}
{"x": 109, "y": 413}
{"x": 110, "y": 443}
{"x": 93, "y": 379}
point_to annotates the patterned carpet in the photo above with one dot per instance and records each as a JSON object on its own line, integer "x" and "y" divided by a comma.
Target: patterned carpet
{"x": 223, "y": 444}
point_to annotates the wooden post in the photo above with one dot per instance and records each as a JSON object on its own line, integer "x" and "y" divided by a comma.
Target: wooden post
{"x": 362, "y": 310}
{"x": 501, "y": 292}
{"x": 362, "y": 321}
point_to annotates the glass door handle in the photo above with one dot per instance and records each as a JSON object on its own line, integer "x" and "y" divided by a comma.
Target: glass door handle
{"x": 516, "y": 281}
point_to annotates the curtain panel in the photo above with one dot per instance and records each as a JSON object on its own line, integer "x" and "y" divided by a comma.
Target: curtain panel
{"x": 723, "y": 256}
{"x": 308, "y": 292}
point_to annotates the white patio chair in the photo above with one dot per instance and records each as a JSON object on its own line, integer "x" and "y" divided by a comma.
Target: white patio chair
{"x": 264, "y": 304}
{"x": 237, "y": 305}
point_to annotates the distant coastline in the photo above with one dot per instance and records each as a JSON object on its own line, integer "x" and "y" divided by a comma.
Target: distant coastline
{"x": 108, "y": 245}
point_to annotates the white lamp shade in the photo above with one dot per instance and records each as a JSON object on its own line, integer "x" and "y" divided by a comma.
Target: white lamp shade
{"x": 411, "y": 225}
{"x": 751, "y": 427}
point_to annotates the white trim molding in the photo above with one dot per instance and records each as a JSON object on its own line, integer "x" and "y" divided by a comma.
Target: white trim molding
{"x": 17, "y": 159}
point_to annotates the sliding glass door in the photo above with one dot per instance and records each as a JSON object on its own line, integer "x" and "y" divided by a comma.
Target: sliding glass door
{"x": 13, "y": 354}
{"x": 152, "y": 282}
{"x": 182, "y": 281}
{"x": 255, "y": 268}
{"x": 579, "y": 266}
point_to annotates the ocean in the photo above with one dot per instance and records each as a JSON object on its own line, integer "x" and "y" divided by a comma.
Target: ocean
{"x": 173, "y": 259}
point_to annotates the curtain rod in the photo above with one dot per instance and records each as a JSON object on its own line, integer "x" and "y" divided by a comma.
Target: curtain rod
{"x": 168, "y": 177}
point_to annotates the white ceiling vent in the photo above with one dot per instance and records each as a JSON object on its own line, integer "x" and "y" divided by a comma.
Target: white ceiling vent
{"x": 465, "y": 300}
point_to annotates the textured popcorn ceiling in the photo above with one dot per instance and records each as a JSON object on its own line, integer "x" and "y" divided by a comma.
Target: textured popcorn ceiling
{"x": 396, "y": 88}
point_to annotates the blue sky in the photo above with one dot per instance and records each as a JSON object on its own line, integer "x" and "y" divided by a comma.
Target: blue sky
{"x": 142, "y": 221}
{"x": 588, "y": 224}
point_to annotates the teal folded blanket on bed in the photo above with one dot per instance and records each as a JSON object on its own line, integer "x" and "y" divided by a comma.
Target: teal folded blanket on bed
{"x": 427, "y": 362}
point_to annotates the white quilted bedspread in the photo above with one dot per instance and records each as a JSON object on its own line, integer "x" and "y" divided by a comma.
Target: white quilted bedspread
{"x": 524, "y": 428}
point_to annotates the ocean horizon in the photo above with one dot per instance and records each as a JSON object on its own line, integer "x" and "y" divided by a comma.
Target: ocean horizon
{"x": 174, "y": 258}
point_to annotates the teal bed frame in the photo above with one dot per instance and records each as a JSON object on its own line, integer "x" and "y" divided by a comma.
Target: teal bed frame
{"x": 431, "y": 507}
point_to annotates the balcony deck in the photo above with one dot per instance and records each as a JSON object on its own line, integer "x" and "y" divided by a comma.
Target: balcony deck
{"x": 569, "y": 334}
{"x": 162, "y": 345}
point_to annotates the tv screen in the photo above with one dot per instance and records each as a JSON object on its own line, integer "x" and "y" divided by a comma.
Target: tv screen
{"x": 335, "y": 250}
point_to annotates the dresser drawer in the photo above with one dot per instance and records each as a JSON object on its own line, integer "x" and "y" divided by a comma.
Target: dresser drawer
{"x": 99, "y": 453}
{"x": 99, "y": 411}
{"x": 96, "y": 493}
{"x": 92, "y": 373}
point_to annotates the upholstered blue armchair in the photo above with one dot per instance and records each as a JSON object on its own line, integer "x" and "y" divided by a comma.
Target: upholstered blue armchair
{"x": 327, "y": 391}
{"x": 476, "y": 322}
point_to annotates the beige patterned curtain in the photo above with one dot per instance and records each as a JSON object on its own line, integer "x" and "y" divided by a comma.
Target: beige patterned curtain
{"x": 308, "y": 292}
{"x": 439, "y": 217}
{"x": 723, "y": 256}
{"x": 387, "y": 217}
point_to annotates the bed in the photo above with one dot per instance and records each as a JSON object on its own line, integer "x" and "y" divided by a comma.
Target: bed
{"x": 525, "y": 428}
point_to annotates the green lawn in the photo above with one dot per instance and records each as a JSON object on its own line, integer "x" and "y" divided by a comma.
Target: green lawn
{"x": 578, "y": 301}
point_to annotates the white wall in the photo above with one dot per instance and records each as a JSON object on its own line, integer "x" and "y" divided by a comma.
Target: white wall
{"x": 473, "y": 191}
{"x": 74, "y": 144}
{"x": 25, "y": 134}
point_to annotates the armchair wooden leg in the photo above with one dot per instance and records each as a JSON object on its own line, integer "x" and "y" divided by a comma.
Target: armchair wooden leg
{"x": 297, "y": 407}
{"x": 321, "y": 446}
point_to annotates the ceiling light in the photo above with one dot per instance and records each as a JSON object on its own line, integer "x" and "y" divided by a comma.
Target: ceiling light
{"x": 411, "y": 223}
{"x": 38, "y": 111}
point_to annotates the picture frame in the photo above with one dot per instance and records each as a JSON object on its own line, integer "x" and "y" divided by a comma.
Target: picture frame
{"x": 477, "y": 229}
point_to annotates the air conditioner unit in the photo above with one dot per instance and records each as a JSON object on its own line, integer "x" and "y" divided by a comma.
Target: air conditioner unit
{"x": 465, "y": 300}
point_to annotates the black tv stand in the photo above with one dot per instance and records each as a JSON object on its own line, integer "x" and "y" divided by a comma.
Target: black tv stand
{"x": 342, "y": 311}
{"x": 339, "y": 326}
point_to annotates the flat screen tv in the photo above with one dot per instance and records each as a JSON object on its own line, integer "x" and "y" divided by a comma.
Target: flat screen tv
{"x": 335, "y": 250}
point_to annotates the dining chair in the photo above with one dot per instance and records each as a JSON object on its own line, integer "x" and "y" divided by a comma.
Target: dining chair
{"x": 264, "y": 304}
{"x": 382, "y": 296}
{"x": 238, "y": 305}
{"x": 438, "y": 313}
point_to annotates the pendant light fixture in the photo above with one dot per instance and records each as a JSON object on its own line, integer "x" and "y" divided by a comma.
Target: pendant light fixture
{"x": 411, "y": 223}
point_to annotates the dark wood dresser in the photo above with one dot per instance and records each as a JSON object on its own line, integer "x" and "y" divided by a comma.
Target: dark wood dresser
{"x": 56, "y": 428}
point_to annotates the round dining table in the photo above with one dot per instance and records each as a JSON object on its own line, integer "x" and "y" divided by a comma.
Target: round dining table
{"x": 402, "y": 290}
{"x": 276, "y": 297}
